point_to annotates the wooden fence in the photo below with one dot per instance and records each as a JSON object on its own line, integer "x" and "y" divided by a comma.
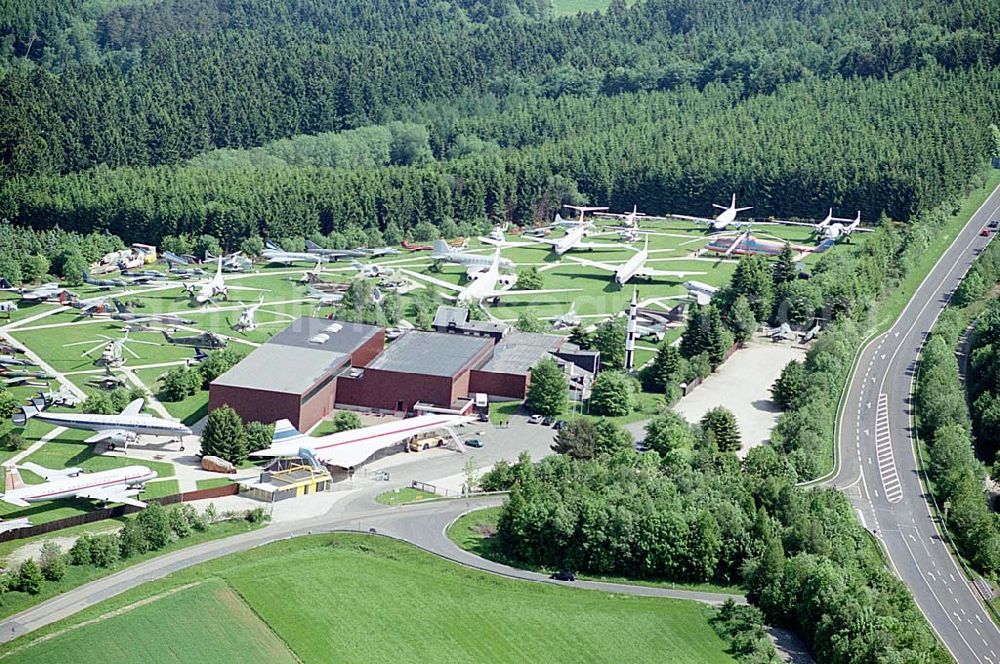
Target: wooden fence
{"x": 116, "y": 512}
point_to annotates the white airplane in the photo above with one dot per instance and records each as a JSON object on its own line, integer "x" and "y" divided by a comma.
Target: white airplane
{"x": 483, "y": 285}
{"x": 497, "y": 239}
{"x": 566, "y": 320}
{"x": 701, "y": 292}
{"x": 722, "y": 221}
{"x": 123, "y": 429}
{"x": 472, "y": 262}
{"x": 372, "y": 270}
{"x": 834, "y": 228}
{"x": 119, "y": 485}
{"x": 349, "y": 449}
{"x": 205, "y": 291}
{"x": 279, "y": 257}
{"x": 633, "y": 267}
{"x": 574, "y": 238}
{"x": 248, "y": 321}
{"x": 629, "y": 219}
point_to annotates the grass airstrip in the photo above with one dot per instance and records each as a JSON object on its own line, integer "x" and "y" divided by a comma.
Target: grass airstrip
{"x": 358, "y": 598}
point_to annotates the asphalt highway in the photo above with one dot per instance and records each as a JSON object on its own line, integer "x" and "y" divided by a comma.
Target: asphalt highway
{"x": 878, "y": 462}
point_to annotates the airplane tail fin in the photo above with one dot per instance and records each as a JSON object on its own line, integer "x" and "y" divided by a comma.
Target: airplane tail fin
{"x": 19, "y": 419}
{"x": 312, "y": 246}
{"x": 120, "y": 307}
{"x": 12, "y": 478}
{"x": 441, "y": 247}
{"x": 272, "y": 246}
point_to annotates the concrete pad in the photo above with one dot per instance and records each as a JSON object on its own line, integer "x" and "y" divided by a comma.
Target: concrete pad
{"x": 743, "y": 385}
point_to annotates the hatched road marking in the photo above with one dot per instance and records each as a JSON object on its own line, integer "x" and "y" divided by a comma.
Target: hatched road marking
{"x": 883, "y": 452}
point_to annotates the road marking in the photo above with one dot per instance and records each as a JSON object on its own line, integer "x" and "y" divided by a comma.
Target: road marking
{"x": 883, "y": 451}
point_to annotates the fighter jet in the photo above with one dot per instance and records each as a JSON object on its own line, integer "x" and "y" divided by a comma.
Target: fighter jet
{"x": 372, "y": 270}
{"x": 324, "y": 298}
{"x": 123, "y": 314}
{"x": 119, "y": 485}
{"x": 43, "y": 292}
{"x": 332, "y": 254}
{"x": 701, "y": 292}
{"x": 275, "y": 255}
{"x": 108, "y": 381}
{"x": 123, "y": 429}
{"x": 13, "y": 378}
{"x": 205, "y": 291}
{"x": 203, "y": 340}
{"x": 566, "y": 320}
{"x": 380, "y": 251}
{"x": 16, "y": 362}
{"x": 725, "y": 218}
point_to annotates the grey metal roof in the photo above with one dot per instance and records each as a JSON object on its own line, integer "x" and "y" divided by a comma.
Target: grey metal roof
{"x": 430, "y": 353}
{"x": 287, "y": 369}
{"x": 346, "y": 339}
{"x": 518, "y": 352}
{"x": 458, "y": 317}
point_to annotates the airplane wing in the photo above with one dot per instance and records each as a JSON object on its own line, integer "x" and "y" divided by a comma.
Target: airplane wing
{"x": 134, "y": 408}
{"x": 348, "y": 449}
{"x": 505, "y": 244}
{"x": 104, "y": 434}
{"x": 501, "y": 293}
{"x": 651, "y": 272}
{"x": 18, "y": 502}
{"x": 700, "y": 220}
{"x": 48, "y": 474}
{"x": 608, "y": 267}
{"x": 704, "y": 299}
{"x": 596, "y": 245}
{"x": 113, "y": 494}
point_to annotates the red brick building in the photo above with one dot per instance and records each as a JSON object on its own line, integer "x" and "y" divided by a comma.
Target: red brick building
{"x": 294, "y": 375}
{"x": 419, "y": 367}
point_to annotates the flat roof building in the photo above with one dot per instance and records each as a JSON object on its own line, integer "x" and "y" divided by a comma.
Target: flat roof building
{"x": 457, "y": 320}
{"x": 293, "y": 375}
{"x": 418, "y": 367}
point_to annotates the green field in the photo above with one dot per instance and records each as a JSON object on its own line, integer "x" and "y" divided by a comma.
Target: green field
{"x": 208, "y": 622}
{"x": 403, "y": 496}
{"x": 355, "y": 598}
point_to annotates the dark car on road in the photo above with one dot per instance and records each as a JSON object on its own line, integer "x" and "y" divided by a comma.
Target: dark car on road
{"x": 994, "y": 224}
{"x": 559, "y": 424}
{"x": 474, "y": 442}
{"x": 548, "y": 421}
{"x": 563, "y": 575}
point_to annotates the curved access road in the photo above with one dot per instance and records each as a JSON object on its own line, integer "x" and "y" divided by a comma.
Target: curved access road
{"x": 422, "y": 524}
{"x": 878, "y": 466}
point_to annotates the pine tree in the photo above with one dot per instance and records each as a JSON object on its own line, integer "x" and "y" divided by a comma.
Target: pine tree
{"x": 29, "y": 577}
{"x": 547, "y": 392}
{"x": 719, "y": 425}
{"x": 719, "y": 338}
{"x": 694, "y": 339}
{"x": 224, "y": 436}
{"x": 785, "y": 269}
{"x": 741, "y": 319}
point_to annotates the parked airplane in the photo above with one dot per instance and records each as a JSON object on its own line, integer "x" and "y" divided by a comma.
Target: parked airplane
{"x": 324, "y": 298}
{"x": 840, "y": 227}
{"x": 349, "y": 449}
{"x": 203, "y": 340}
{"x": 629, "y": 219}
{"x": 123, "y": 314}
{"x": 205, "y": 291}
{"x": 59, "y": 397}
{"x": 248, "y": 321}
{"x": 566, "y": 320}
{"x": 123, "y": 429}
{"x": 372, "y": 270}
{"x": 633, "y": 267}
{"x": 574, "y": 238}
{"x": 43, "y": 292}
{"x": 498, "y": 239}
{"x": 472, "y": 262}
{"x": 275, "y": 255}
{"x": 333, "y": 254}
{"x": 380, "y": 251}
{"x": 483, "y": 285}
{"x": 701, "y": 292}
{"x": 16, "y": 362}
{"x": 119, "y": 485}
{"x": 722, "y": 221}
{"x": 12, "y": 378}
{"x": 8, "y": 307}
{"x": 235, "y": 262}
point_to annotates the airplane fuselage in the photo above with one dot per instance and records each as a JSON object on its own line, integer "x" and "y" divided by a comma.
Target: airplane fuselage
{"x": 142, "y": 425}
{"x": 631, "y": 267}
{"x": 69, "y": 487}
{"x": 570, "y": 240}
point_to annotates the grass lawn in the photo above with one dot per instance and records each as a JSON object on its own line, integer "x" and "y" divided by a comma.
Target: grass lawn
{"x": 403, "y": 496}
{"x": 209, "y": 622}
{"x": 160, "y": 489}
{"x": 189, "y": 410}
{"x": 648, "y": 405}
{"x": 15, "y": 602}
{"x": 501, "y": 411}
{"x": 372, "y": 599}
{"x": 212, "y": 483}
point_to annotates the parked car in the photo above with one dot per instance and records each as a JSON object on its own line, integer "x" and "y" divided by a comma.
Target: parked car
{"x": 994, "y": 224}
{"x": 535, "y": 419}
{"x": 559, "y": 424}
{"x": 474, "y": 442}
{"x": 548, "y": 421}
{"x": 484, "y": 417}
{"x": 985, "y": 232}
{"x": 641, "y": 446}
{"x": 563, "y": 575}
